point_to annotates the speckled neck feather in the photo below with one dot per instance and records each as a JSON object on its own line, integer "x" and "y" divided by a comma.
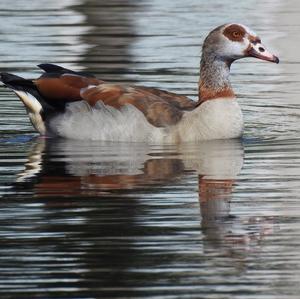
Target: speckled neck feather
{"x": 214, "y": 78}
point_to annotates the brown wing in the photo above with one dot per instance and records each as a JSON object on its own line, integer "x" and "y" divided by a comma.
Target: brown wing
{"x": 159, "y": 107}
{"x": 64, "y": 88}
{"x": 179, "y": 101}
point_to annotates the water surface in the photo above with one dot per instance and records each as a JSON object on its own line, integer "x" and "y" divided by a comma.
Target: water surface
{"x": 219, "y": 219}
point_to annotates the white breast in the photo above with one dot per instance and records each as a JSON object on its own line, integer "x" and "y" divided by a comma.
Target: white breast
{"x": 214, "y": 119}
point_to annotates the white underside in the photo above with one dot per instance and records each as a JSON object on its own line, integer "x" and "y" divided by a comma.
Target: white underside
{"x": 33, "y": 108}
{"x": 215, "y": 119}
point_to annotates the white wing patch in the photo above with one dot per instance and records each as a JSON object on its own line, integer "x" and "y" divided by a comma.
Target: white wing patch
{"x": 82, "y": 90}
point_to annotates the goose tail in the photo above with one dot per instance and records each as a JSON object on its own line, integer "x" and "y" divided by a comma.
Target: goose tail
{"x": 29, "y": 95}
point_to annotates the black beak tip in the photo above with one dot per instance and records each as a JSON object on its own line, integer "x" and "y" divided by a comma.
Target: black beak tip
{"x": 276, "y": 59}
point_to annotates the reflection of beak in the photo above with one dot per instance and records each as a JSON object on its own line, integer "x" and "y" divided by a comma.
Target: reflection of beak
{"x": 259, "y": 51}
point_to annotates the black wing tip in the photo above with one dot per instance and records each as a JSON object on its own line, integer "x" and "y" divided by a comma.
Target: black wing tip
{"x": 15, "y": 82}
{"x": 7, "y": 77}
{"x": 50, "y": 67}
{"x": 54, "y": 68}
{"x": 11, "y": 80}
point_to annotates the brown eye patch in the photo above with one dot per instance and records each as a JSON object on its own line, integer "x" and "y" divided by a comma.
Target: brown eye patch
{"x": 234, "y": 32}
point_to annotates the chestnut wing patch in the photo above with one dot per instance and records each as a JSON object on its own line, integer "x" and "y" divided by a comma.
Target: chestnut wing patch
{"x": 157, "y": 106}
{"x": 57, "y": 91}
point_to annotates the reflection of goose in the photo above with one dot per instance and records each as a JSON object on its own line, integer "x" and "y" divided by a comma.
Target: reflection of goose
{"x": 109, "y": 166}
{"x": 71, "y": 168}
{"x": 33, "y": 165}
{"x": 125, "y": 113}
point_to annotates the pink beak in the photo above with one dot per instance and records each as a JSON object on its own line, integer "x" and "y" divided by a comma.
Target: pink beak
{"x": 259, "y": 51}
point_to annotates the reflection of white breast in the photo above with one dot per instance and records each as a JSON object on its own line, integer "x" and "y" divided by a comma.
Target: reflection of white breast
{"x": 107, "y": 159}
{"x": 217, "y": 159}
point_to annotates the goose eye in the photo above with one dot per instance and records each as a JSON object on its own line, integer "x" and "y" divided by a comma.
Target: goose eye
{"x": 236, "y": 34}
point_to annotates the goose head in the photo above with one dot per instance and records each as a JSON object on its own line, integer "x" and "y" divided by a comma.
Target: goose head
{"x": 230, "y": 42}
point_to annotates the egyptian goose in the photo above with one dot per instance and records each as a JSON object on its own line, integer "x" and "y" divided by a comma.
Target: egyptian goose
{"x": 77, "y": 105}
